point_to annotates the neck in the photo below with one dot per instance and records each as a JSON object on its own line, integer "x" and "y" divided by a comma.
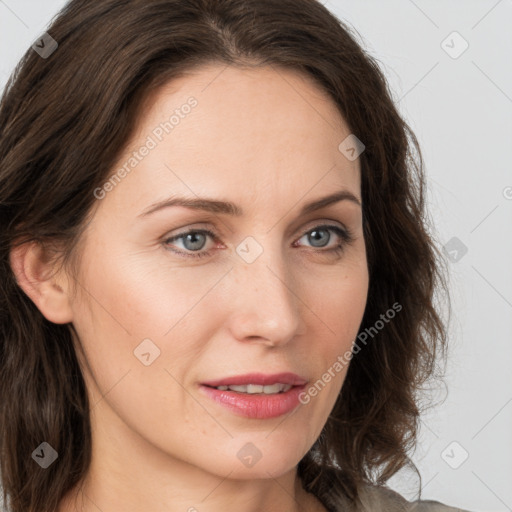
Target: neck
{"x": 243, "y": 495}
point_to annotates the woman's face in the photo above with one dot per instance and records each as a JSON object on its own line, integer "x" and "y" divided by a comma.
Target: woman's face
{"x": 267, "y": 293}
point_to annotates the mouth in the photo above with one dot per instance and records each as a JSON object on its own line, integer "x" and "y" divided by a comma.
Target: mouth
{"x": 257, "y": 396}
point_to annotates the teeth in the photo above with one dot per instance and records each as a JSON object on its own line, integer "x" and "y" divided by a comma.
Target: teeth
{"x": 256, "y": 388}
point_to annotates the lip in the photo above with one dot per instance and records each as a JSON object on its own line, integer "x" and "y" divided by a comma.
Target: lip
{"x": 258, "y": 378}
{"x": 255, "y": 406}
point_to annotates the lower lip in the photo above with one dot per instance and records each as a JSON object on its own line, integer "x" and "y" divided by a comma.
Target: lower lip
{"x": 256, "y": 406}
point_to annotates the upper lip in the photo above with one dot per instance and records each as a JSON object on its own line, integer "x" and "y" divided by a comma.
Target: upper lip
{"x": 258, "y": 378}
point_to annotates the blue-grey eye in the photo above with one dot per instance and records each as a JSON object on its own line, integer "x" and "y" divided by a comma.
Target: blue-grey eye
{"x": 316, "y": 235}
{"x": 194, "y": 241}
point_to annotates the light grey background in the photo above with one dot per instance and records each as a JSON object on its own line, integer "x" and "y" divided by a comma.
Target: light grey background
{"x": 461, "y": 110}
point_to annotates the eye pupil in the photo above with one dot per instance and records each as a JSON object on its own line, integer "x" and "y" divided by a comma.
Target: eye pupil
{"x": 316, "y": 238}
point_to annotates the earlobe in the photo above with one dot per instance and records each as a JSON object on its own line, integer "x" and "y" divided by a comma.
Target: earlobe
{"x": 37, "y": 277}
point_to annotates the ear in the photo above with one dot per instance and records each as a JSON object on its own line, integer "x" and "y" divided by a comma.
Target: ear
{"x": 37, "y": 277}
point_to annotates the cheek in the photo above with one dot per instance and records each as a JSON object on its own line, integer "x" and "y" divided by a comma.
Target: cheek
{"x": 340, "y": 307}
{"x": 136, "y": 311}
{"x": 339, "y": 300}
{"x": 125, "y": 314}
{"x": 142, "y": 294}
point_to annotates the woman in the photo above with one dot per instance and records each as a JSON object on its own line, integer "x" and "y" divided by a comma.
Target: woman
{"x": 175, "y": 335}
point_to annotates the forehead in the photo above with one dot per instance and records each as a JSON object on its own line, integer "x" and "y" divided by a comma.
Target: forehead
{"x": 241, "y": 134}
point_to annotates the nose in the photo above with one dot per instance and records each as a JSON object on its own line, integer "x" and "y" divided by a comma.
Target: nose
{"x": 265, "y": 307}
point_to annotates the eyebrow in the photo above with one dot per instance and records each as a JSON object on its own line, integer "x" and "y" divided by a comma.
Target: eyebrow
{"x": 229, "y": 208}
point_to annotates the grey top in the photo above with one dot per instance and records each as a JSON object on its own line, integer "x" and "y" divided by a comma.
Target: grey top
{"x": 384, "y": 499}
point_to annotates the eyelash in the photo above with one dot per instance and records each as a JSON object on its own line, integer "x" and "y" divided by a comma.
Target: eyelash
{"x": 345, "y": 235}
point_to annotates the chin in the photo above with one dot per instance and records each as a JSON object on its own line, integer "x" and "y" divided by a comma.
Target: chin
{"x": 256, "y": 456}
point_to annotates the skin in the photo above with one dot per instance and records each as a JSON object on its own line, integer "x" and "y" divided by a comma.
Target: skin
{"x": 269, "y": 145}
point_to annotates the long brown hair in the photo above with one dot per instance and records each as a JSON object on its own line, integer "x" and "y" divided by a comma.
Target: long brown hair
{"x": 64, "y": 121}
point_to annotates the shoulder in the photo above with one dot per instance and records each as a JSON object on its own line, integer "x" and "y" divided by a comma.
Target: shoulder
{"x": 432, "y": 506}
{"x": 384, "y": 499}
